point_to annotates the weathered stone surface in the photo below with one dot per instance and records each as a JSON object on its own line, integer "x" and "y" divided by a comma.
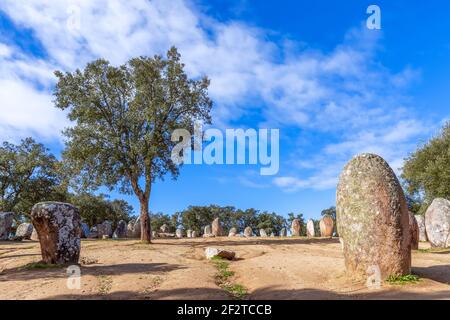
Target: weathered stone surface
{"x": 24, "y": 230}
{"x": 34, "y": 235}
{"x": 154, "y": 234}
{"x": 121, "y": 230}
{"x": 164, "y": 228}
{"x": 414, "y": 229}
{"x": 136, "y": 229}
{"x": 93, "y": 234}
{"x": 214, "y": 252}
{"x": 130, "y": 227}
{"x": 310, "y": 229}
{"x": 194, "y": 234}
{"x": 372, "y": 218}
{"x": 283, "y": 232}
{"x": 421, "y": 224}
{"x": 217, "y": 230}
{"x": 189, "y": 233}
{"x": 232, "y": 232}
{"x": 104, "y": 229}
{"x": 248, "y": 232}
{"x": 262, "y": 233}
{"x": 295, "y": 228}
{"x": 437, "y": 223}
{"x": 6, "y": 222}
{"x": 84, "y": 230}
{"x": 207, "y": 231}
{"x": 326, "y": 227}
{"x": 59, "y": 228}
{"x": 272, "y": 235}
{"x": 179, "y": 233}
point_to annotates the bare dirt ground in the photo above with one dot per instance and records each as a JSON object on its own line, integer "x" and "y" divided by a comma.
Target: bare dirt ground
{"x": 271, "y": 268}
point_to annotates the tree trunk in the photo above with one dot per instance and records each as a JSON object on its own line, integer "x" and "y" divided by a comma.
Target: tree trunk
{"x": 146, "y": 232}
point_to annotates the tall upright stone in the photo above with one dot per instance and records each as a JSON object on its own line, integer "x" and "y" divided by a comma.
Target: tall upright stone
{"x": 437, "y": 223}
{"x": 104, "y": 229}
{"x": 421, "y": 224}
{"x": 164, "y": 228}
{"x": 295, "y": 228}
{"x": 121, "y": 230}
{"x": 179, "y": 233}
{"x": 310, "y": 229}
{"x": 194, "y": 234}
{"x": 262, "y": 233}
{"x": 414, "y": 230}
{"x": 326, "y": 225}
{"x": 24, "y": 231}
{"x": 232, "y": 232}
{"x": 207, "y": 231}
{"x": 283, "y": 232}
{"x": 248, "y": 232}
{"x": 373, "y": 219}
{"x": 6, "y": 222}
{"x": 217, "y": 230}
{"x": 59, "y": 228}
{"x": 189, "y": 233}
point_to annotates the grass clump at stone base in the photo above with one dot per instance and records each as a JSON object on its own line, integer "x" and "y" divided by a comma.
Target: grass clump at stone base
{"x": 222, "y": 276}
{"x": 403, "y": 280}
{"x": 40, "y": 266}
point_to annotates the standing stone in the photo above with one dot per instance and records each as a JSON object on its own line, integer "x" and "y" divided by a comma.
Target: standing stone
{"x": 179, "y": 233}
{"x": 121, "y": 230}
{"x": 437, "y": 223}
{"x": 326, "y": 227}
{"x": 295, "y": 228}
{"x": 272, "y": 235}
{"x": 59, "y": 228}
{"x": 24, "y": 231}
{"x": 6, "y": 222}
{"x": 84, "y": 230}
{"x": 194, "y": 234}
{"x": 283, "y": 232}
{"x": 93, "y": 233}
{"x": 310, "y": 229}
{"x": 217, "y": 230}
{"x": 207, "y": 231}
{"x": 130, "y": 227}
{"x": 248, "y": 232}
{"x": 164, "y": 228}
{"x": 372, "y": 218}
{"x": 34, "y": 235}
{"x": 189, "y": 233}
{"x": 104, "y": 229}
{"x": 136, "y": 234}
{"x": 421, "y": 224}
{"x": 262, "y": 233}
{"x": 414, "y": 229}
{"x": 154, "y": 234}
{"x": 233, "y": 232}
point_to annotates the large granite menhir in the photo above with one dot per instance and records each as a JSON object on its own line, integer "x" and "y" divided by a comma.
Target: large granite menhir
{"x": 59, "y": 228}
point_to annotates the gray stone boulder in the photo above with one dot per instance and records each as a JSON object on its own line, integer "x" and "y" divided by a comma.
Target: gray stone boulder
{"x": 130, "y": 228}
{"x": 59, "y": 228}
{"x": 194, "y": 234}
{"x": 207, "y": 232}
{"x": 295, "y": 228}
{"x": 248, "y": 232}
{"x": 24, "y": 231}
{"x": 310, "y": 232}
{"x": 232, "y": 232}
{"x": 179, "y": 233}
{"x": 214, "y": 252}
{"x": 164, "y": 228}
{"x": 216, "y": 228}
{"x": 121, "y": 230}
{"x": 93, "y": 233}
{"x": 421, "y": 224}
{"x": 105, "y": 229}
{"x": 136, "y": 229}
{"x": 262, "y": 233}
{"x": 283, "y": 232}
{"x": 84, "y": 230}
{"x": 437, "y": 223}
{"x": 189, "y": 233}
{"x": 6, "y": 222}
{"x": 414, "y": 230}
{"x": 373, "y": 219}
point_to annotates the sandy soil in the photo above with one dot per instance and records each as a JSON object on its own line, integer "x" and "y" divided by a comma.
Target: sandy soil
{"x": 272, "y": 268}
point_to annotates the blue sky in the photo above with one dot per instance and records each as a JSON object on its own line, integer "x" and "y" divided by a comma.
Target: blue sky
{"x": 311, "y": 69}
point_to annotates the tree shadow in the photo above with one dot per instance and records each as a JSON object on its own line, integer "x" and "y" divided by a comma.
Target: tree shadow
{"x": 439, "y": 273}
{"x": 21, "y": 274}
{"x": 20, "y": 255}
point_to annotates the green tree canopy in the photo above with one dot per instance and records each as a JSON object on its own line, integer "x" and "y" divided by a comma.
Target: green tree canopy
{"x": 426, "y": 172}
{"x": 123, "y": 120}
{"x": 28, "y": 174}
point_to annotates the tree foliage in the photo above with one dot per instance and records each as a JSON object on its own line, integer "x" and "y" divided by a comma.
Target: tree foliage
{"x": 123, "y": 119}
{"x": 426, "y": 172}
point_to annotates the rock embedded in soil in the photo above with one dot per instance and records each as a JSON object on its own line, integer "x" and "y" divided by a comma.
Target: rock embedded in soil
{"x": 295, "y": 228}
{"x": 248, "y": 232}
{"x": 262, "y": 233}
{"x": 437, "y": 223}
{"x": 214, "y": 252}
{"x": 414, "y": 229}
{"x": 310, "y": 229}
{"x": 326, "y": 225}
{"x": 59, "y": 228}
{"x": 24, "y": 231}
{"x": 373, "y": 218}
{"x": 105, "y": 229}
{"x": 217, "y": 230}
{"x": 84, "y": 230}
{"x": 6, "y": 222}
{"x": 421, "y": 224}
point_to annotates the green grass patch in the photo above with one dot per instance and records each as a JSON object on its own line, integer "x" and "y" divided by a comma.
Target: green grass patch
{"x": 403, "y": 280}
{"x": 223, "y": 276}
{"x": 40, "y": 266}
